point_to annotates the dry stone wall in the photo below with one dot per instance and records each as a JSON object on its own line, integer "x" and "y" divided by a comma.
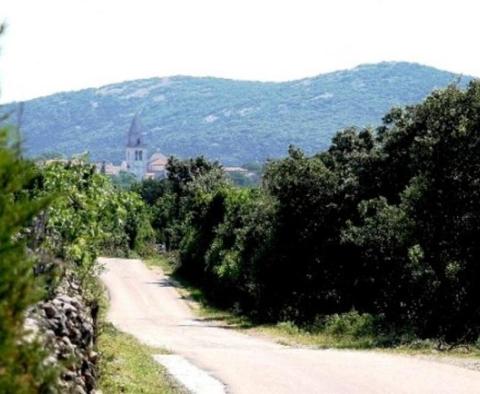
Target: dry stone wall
{"x": 66, "y": 324}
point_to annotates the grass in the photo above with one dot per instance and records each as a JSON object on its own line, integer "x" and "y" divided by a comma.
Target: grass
{"x": 347, "y": 331}
{"x": 165, "y": 261}
{"x": 126, "y": 366}
{"x": 289, "y": 334}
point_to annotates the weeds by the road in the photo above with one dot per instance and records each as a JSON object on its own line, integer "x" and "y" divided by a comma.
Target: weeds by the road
{"x": 166, "y": 261}
{"x": 289, "y": 334}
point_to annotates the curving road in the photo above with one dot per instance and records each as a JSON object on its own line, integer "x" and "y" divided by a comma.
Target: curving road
{"x": 145, "y": 304}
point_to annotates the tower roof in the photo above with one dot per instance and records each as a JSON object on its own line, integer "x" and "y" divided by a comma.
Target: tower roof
{"x": 135, "y": 133}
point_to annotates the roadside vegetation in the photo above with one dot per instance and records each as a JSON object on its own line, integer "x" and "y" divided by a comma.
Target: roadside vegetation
{"x": 21, "y": 363}
{"x": 55, "y": 219}
{"x": 374, "y": 239}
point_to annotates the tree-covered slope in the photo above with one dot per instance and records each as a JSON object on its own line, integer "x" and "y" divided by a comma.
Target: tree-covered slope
{"x": 232, "y": 121}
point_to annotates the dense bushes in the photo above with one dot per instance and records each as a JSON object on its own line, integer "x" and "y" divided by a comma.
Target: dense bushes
{"x": 113, "y": 219}
{"x": 54, "y": 218}
{"x": 21, "y": 363}
{"x": 386, "y": 222}
{"x": 89, "y": 216}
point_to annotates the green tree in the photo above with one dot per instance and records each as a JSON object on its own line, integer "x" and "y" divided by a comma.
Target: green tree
{"x": 22, "y": 366}
{"x": 386, "y": 222}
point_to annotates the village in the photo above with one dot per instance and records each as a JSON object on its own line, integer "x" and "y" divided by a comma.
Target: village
{"x": 140, "y": 165}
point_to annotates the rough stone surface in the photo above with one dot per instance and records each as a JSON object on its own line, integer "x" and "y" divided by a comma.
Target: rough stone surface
{"x": 67, "y": 326}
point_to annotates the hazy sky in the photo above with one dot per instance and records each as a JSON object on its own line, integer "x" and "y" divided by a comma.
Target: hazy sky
{"x": 57, "y": 45}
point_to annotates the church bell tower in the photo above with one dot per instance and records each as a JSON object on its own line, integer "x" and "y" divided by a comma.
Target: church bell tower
{"x": 136, "y": 150}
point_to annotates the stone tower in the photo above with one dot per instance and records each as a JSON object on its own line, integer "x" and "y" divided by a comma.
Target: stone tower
{"x": 136, "y": 151}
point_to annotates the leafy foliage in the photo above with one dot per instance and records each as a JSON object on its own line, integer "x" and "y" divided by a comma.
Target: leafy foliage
{"x": 22, "y": 367}
{"x": 66, "y": 211}
{"x": 90, "y": 215}
{"x": 385, "y": 222}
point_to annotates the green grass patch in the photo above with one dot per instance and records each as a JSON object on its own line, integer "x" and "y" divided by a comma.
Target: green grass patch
{"x": 288, "y": 333}
{"x": 166, "y": 261}
{"x": 328, "y": 337}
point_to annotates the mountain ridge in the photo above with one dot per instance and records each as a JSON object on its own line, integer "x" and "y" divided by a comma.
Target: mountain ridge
{"x": 233, "y": 121}
{"x": 226, "y": 79}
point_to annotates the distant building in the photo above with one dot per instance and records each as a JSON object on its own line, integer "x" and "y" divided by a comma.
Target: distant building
{"x": 136, "y": 156}
{"x": 136, "y": 151}
{"x": 239, "y": 170}
{"x": 156, "y": 167}
{"x": 140, "y": 165}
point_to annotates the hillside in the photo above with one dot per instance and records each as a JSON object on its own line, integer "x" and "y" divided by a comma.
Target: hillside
{"x": 232, "y": 121}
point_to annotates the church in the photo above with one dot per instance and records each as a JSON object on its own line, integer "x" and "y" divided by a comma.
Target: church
{"x": 136, "y": 160}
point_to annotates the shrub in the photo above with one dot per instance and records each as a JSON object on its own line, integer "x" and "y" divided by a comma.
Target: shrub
{"x": 22, "y": 367}
{"x": 351, "y": 324}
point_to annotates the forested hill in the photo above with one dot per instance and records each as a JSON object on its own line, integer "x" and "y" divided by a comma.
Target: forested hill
{"x": 232, "y": 121}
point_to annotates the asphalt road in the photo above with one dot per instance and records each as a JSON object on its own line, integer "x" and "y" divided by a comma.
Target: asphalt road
{"x": 145, "y": 304}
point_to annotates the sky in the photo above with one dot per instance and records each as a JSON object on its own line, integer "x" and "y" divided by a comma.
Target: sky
{"x": 60, "y": 45}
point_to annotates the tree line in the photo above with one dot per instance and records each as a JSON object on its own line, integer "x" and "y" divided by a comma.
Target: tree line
{"x": 385, "y": 222}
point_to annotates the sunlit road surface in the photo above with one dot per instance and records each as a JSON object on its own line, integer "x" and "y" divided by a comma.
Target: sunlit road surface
{"x": 145, "y": 304}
